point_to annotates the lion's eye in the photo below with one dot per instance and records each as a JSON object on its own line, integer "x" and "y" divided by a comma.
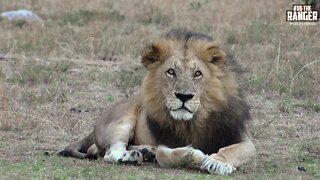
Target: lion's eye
{"x": 170, "y": 72}
{"x": 198, "y": 74}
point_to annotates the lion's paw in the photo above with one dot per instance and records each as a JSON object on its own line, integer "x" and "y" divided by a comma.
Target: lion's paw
{"x": 214, "y": 166}
{"x": 149, "y": 154}
{"x": 132, "y": 157}
{"x": 113, "y": 156}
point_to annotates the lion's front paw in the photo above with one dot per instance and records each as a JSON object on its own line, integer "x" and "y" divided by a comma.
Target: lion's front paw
{"x": 212, "y": 165}
{"x": 132, "y": 157}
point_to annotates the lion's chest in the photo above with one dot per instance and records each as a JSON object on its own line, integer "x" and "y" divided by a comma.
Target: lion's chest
{"x": 183, "y": 135}
{"x": 208, "y": 139}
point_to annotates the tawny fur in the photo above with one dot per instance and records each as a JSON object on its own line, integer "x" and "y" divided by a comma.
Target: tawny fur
{"x": 217, "y": 106}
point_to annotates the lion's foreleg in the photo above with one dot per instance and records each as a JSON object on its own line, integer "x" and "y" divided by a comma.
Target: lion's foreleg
{"x": 224, "y": 162}
{"x": 229, "y": 158}
{"x": 118, "y": 153}
{"x": 190, "y": 157}
{"x": 179, "y": 157}
{"x": 112, "y": 140}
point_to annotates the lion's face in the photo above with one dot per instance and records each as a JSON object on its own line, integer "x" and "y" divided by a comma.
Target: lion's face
{"x": 184, "y": 78}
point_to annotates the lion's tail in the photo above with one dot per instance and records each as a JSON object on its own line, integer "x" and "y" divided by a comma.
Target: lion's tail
{"x": 79, "y": 149}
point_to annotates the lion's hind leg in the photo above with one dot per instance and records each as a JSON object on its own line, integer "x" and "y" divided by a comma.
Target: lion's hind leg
{"x": 79, "y": 149}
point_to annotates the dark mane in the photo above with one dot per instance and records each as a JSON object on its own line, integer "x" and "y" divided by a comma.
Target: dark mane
{"x": 222, "y": 129}
{"x": 182, "y": 34}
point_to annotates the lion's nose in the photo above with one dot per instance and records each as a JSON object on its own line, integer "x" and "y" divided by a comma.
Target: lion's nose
{"x": 184, "y": 97}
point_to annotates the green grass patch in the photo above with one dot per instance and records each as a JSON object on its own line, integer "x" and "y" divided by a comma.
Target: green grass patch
{"x": 123, "y": 79}
{"x": 290, "y": 103}
{"x": 2, "y": 75}
{"x": 284, "y": 76}
{"x": 79, "y": 17}
{"x": 110, "y": 98}
{"x": 309, "y": 157}
{"x": 155, "y": 16}
{"x": 39, "y": 73}
{"x": 259, "y": 32}
{"x": 232, "y": 36}
{"x": 55, "y": 167}
{"x": 82, "y": 17}
{"x": 19, "y": 23}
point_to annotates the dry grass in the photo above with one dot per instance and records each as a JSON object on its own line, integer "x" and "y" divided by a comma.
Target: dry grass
{"x": 56, "y": 78}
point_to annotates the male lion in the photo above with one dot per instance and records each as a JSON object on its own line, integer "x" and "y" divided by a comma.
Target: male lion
{"x": 191, "y": 109}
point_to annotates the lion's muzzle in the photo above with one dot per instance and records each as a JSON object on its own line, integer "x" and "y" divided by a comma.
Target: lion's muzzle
{"x": 182, "y": 106}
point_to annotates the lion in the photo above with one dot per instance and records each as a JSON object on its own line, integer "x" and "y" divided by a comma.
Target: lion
{"x": 190, "y": 113}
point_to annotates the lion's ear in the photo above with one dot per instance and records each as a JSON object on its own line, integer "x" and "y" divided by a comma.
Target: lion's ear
{"x": 156, "y": 52}
{"x": 215, "y": 55}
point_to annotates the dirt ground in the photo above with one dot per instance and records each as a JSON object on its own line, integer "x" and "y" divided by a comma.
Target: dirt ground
{"x": 58, "y": 76}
